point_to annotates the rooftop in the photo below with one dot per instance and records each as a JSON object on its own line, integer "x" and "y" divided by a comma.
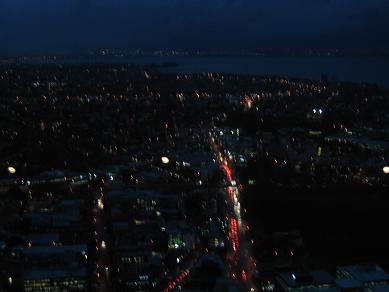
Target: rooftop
{"x": 366, "y": 273}
{"x": 38, "y": 273}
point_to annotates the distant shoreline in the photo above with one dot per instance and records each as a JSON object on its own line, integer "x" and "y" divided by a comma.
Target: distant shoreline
{"x": 370, "y": 70}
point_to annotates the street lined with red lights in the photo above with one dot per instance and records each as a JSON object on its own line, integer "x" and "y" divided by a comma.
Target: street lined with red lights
{"x": 240, "y": 261}
{"x": 233, "y": 234}
{"x": 176, "y": 282}
{"x": 227, "y": 171}
{"x": 181, "y": 277}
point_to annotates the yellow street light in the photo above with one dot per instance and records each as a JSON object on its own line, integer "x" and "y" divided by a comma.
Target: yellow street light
{"x": 165, "y": 160}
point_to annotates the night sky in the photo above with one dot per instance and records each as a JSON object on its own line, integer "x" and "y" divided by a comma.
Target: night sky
{"x": 36, "y": 26}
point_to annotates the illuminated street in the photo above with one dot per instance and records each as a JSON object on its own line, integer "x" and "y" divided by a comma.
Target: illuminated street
{"x": 241, "y": 263}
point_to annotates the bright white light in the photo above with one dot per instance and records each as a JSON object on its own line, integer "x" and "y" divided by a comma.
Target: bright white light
{"x": 11, "y": 169}
{"x": 165, "y": 160}
{"x": 386, "y": 169}
{"x": 111, "y": 177}
{"x": 103, "y": 245}
{"x": 293, "y": 276}
{"x": 314, "y": 111}
{"x": 100, "y": 204}
{"x": 178, "y": 260}
{"x": 320, "y": 111}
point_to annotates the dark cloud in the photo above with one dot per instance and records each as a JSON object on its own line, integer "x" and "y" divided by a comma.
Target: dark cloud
{"x": 66, "y": 25}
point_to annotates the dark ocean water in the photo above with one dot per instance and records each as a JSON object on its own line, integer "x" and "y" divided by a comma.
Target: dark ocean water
{"x": 353, "y": 69}
{"x": 361, "y": 70}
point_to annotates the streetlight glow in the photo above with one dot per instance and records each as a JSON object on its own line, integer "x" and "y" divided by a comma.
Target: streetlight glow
{"x": 165, "y": 160}
{"x": 386, "y": 169}
{"x": 11, "y": 169}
